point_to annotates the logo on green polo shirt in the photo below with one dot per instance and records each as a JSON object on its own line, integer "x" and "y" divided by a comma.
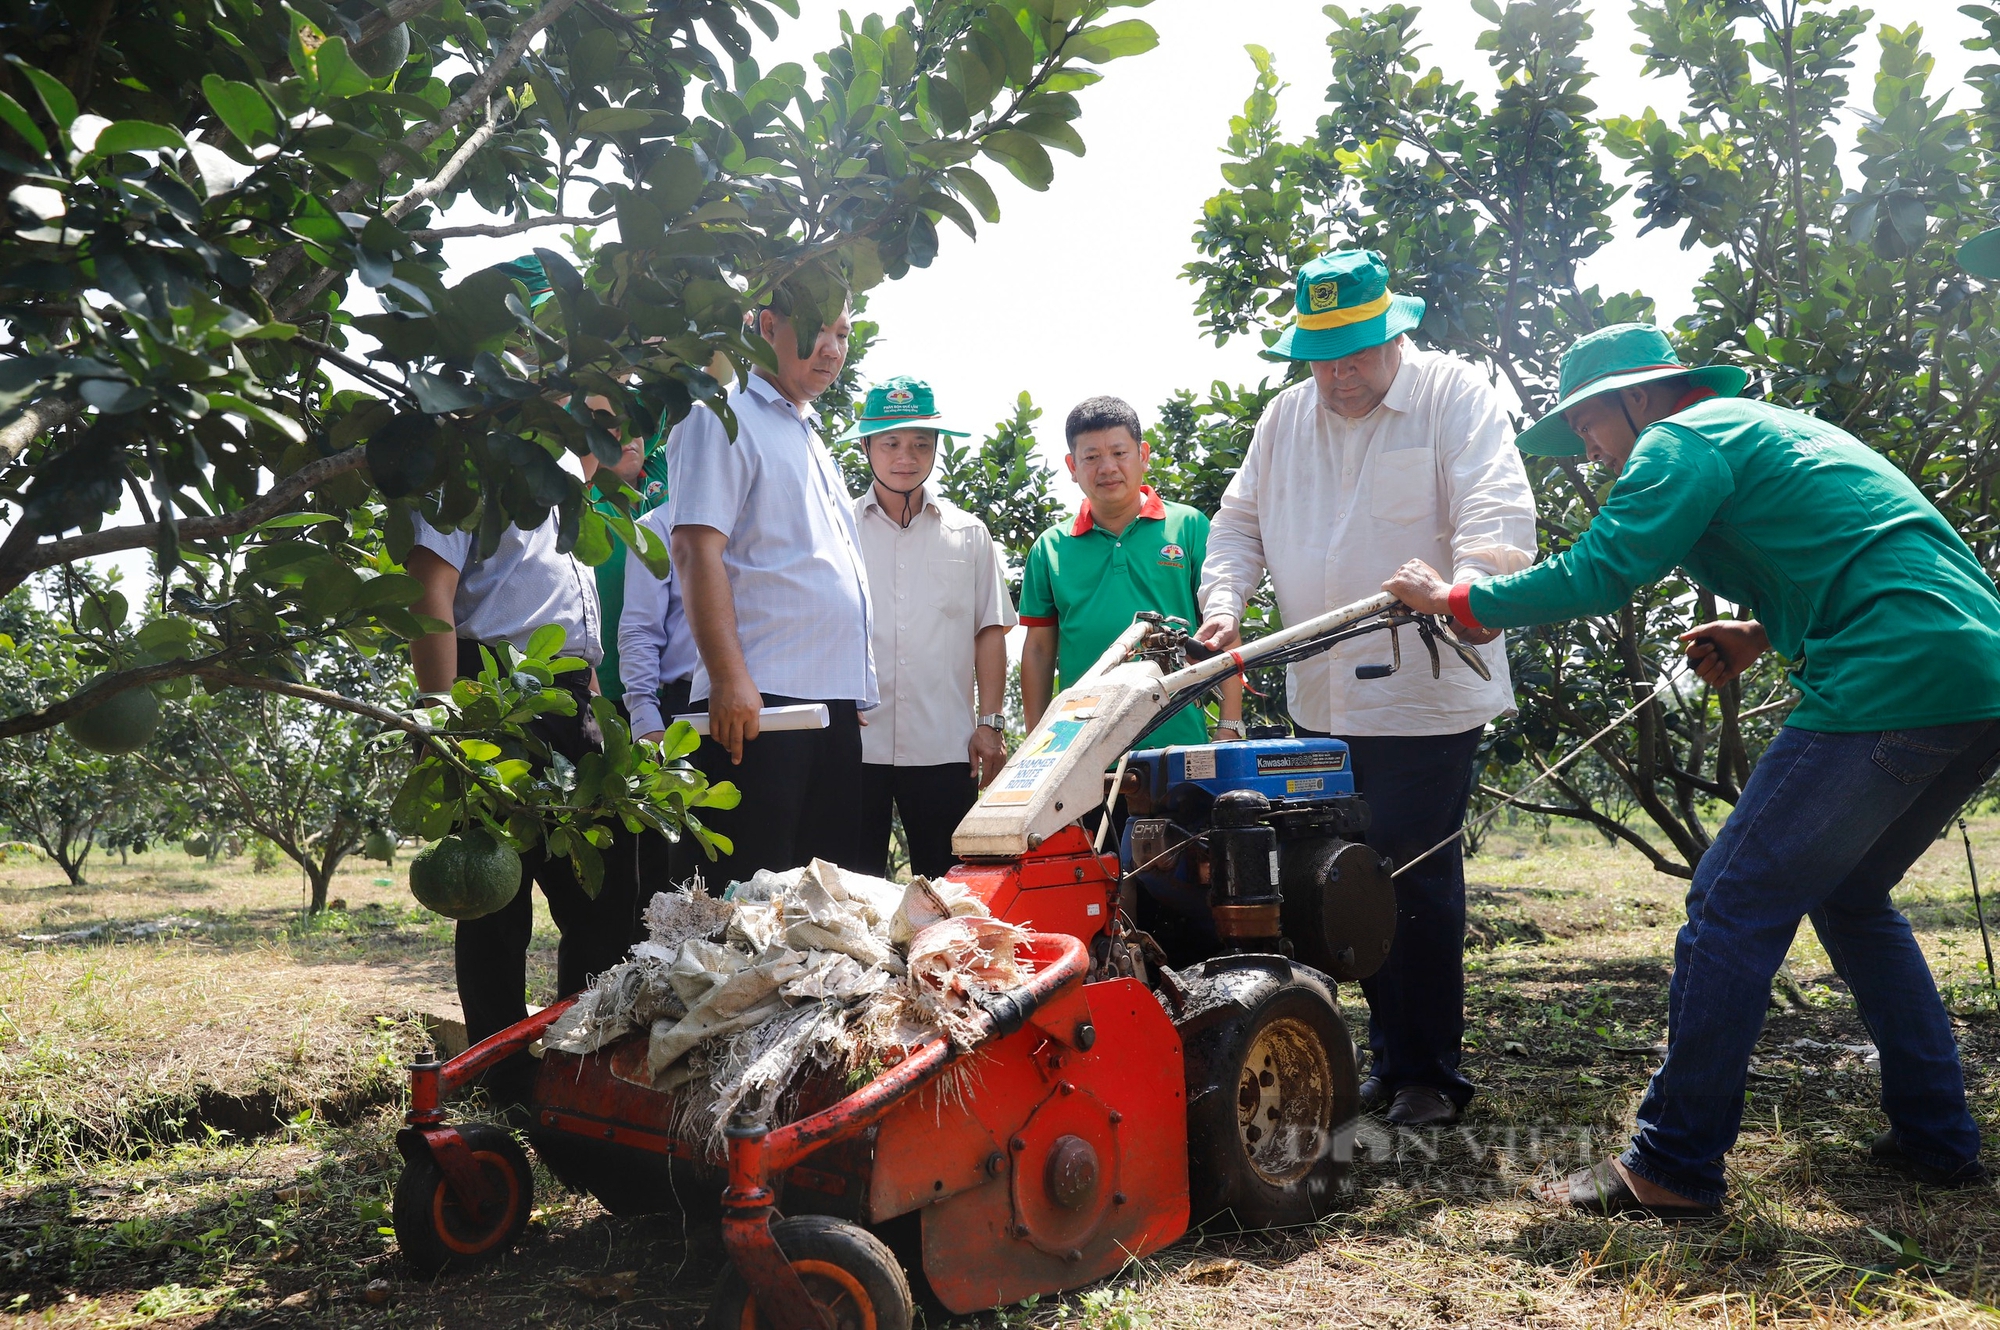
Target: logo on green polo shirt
{"x": 1172, "y": 556}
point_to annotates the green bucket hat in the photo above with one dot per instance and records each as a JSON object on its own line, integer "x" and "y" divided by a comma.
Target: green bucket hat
{"x": 1980, "y": 255}
{"x": 1611, "y": 358}
{"x": 1343, "y": 305}
{"x": 899, "y": 403}
{"x": 527, "y": 270}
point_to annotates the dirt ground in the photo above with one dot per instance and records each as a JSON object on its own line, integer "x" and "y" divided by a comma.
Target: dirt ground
{"x": 196, "y": 1129}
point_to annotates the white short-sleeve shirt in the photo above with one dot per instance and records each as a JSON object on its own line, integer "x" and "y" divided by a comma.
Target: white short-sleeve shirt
{"x": 935, "y": 584}
{"x": 525, "y": 584}
{"x": 793, "y": 557}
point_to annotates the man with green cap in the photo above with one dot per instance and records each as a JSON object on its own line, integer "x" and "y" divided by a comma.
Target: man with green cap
{"x": 1893, "y": 631}
{"x": 942, "y": 613}
{"x": 1387, "y": 451}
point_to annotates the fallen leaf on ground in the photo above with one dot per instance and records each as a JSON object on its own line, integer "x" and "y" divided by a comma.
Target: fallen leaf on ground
{"x": 623, "y": 1286}
{"x": 1213, "y": 1273}
{"x": 376, "y": 1293}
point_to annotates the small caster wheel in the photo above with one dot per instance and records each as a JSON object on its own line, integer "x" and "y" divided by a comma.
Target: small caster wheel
{"x": 436, "y": 1232}
{"x": 848, "y": 1271}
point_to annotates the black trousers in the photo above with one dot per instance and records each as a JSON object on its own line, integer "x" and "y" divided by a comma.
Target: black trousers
{"x": 491, "y": 953}
{"x": 1417, "y": 788}
{"x": 931, "y": 800}
{"x": 801, "y": 799}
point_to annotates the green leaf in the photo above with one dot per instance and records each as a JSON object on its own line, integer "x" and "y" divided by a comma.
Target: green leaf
{"x": 55, "y": 97}
{"x": 17, "y": 118}
{"x": 478, "y": 749}
{"x": 973, "y": 187}
{"x": 238, "y": 406}
{"x": 1054, "y": 131}
{"x": 242, "y": 108}
{"x": 1022, "y": 155}
{"x": 136, "y": 136}
{"x": 338, "y": 75}
{"x": 1114, "y": 41}
{"x": 285, "y": 520}
{"x": 102, "y": 612}
{"x": 593, "y": 540}
{"x": 440, "y": 396}
{"x": 609, "y": 120}
{"x": 546, "y": 641}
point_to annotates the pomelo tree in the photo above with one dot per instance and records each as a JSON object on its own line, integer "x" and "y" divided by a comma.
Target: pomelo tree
{"x": 195, "y": 191}
{"x": 1834, "y": 283}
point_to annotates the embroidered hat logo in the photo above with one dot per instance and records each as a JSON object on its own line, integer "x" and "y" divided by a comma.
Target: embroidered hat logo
{"x": 1172, "y": 556}
{"x": 901, "y": 396}
{"x": 1321, "y": 296}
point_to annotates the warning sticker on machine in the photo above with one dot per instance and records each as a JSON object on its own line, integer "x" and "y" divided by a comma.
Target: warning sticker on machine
{"x": 1305, "y": 785}
{"x": 1200, "y": 764}
{"x": 1271, "y": 764}
{"x": 1034, "y": 762}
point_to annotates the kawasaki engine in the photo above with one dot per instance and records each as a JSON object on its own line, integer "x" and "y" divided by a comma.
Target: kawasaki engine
{"x": 1255, "y": 846}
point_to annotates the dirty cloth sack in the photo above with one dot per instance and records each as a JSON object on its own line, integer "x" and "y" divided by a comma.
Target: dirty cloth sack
{"x": 815, "y": 966}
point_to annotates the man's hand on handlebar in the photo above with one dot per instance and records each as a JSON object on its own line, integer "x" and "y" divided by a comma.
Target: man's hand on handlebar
{"x": 1721, "y": 650}
{"x": 1218, "y": 632}
{"x": 1419, "y": 586}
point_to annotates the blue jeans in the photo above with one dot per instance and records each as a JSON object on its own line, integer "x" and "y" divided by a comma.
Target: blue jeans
{"x": 1827, "y": 825}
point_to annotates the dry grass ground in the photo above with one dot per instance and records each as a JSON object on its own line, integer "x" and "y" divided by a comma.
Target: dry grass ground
{"x": 114, "y": 1214}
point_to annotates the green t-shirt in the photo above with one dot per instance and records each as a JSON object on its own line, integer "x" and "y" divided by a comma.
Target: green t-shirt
{"x": 1087, "y": 584}
{"x": 652, "y": 489}
{"x": 1888, "y": 618}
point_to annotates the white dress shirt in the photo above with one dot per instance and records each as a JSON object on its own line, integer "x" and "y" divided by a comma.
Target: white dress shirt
{"x": 793, "y": 558}
{"x": 655, "y": 644}
{"x": 524, "y": 585}
{"x": 935, "y": 584}
{"x": 1333, "y": 506}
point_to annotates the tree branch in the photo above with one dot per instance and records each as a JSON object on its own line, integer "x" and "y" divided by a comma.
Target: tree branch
{"x": 504, "y": 228}
{"x": 36, "y": 418}
{"x": 478, "y": 95}
{"x": 20, "y": 565}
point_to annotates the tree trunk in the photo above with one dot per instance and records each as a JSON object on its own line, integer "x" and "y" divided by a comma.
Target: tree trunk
{"x": 320, "y": 877}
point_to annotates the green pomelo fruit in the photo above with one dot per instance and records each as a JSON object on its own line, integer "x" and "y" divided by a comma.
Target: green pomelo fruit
{"x": 121, "y": 723}
{"x": 380, "y": 845}
{"x": 465, "y": 875}
{"x": 197, "y": 847}
{"x": 385, "y": 55}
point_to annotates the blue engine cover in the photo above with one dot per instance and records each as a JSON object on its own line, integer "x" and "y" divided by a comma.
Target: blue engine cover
{"x": 1294, "y": 771}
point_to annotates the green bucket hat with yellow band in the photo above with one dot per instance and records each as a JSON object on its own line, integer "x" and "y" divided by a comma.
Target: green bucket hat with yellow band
{"x": 899, "y": 403}
{"x": 1980, "y": 255}
{"x": 527, "y": 270}
{"x": 1343, "y": 305}
{"x": 1621, "y": 356}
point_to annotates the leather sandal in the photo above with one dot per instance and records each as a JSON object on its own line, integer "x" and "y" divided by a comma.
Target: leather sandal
{"x": 1373, "y": 1094}
{"x": 1601, "y": 1190}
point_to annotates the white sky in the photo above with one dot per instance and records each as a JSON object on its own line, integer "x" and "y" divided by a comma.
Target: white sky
{"x": 1078, "y": 291}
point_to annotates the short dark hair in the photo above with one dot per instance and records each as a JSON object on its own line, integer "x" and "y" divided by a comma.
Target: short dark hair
{"x": 1096, "y": 413}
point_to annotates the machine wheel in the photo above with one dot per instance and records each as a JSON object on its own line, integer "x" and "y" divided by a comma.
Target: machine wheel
{"x": 850, "y": 1273}
{"x": 436, "y": 1232}
{"x": 1269, "y": 1087}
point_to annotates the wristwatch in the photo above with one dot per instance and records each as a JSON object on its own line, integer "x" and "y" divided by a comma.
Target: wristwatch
{"x": 1235, "y": 727}
{"x": 996, "y": 722}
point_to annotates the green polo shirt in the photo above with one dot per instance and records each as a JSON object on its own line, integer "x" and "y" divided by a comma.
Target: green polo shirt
{"x": 1087, "y": 584}
{"x": 652, "y": 489}
{"x": 1888, "y": 618}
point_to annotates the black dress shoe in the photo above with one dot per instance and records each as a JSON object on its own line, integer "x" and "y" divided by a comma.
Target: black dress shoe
{"x": 1889, "y": 1150}
{"x": 1421, "y": 1106}
{"x": 1373, "y": 1094}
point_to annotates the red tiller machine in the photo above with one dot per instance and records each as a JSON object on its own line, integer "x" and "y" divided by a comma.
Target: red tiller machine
{"x": 1112, "y": 1097}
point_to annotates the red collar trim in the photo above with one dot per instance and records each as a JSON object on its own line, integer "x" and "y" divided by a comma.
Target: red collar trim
{"x": 1692, "y": 396}
{"x": 1150, "y": 505}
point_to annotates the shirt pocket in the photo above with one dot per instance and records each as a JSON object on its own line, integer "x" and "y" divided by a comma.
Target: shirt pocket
{"x": 1405, "y": 486}
{"x": 951, "y": 587}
